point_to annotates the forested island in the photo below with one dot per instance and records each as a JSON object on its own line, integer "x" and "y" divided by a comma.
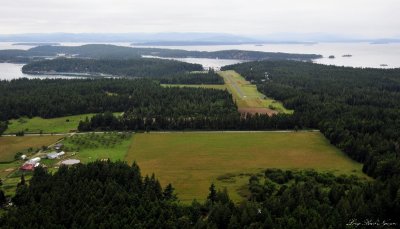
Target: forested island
{"x": 140, "y": 67}
{"x": 165, "y": 71}
{"x": 98, "y": 51}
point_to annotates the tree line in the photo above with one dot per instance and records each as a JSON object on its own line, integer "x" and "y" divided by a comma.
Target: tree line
{"x": 209, "y": 77}
{"x": 136, "y": 120}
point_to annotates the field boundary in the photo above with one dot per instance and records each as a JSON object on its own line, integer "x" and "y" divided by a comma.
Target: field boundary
{"x": 166, "y": 132}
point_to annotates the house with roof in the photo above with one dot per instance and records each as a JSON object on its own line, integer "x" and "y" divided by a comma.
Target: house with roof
{"x": 55, "y": 155}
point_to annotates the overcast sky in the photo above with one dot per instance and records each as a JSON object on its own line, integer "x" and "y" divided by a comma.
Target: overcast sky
{"x": 361, "y": 18}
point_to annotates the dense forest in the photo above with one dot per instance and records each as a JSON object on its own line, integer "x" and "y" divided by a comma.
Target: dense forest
{"x": 137, "y": 120}
{"x": 140, "y": 67}
{"x": 356, "y": 109}
{"x": 59, "y": 97}
{"x": 99, "y": 51}
{"x": 115, "y": 195}
{"x": 209, "y": 77}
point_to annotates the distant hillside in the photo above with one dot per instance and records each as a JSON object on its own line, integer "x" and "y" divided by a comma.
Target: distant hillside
{"x": 99, "y": 51}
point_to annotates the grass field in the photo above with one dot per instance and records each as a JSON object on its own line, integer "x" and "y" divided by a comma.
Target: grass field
{"x": 90, "y": 147}
{"x": 247, "y": 96}
{"x": 191, "y": 161}
{"x": 52, "y": 125}
{"x": 11, "y": 145}
{"x": 212, "y": 86}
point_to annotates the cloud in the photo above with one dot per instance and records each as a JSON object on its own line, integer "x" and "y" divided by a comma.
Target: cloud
{"x": 367, "y": 18}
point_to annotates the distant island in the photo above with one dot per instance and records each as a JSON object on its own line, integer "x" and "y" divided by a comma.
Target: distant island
{"x": 331, "y": 57}
{"x": 122, "y": 53}
{"x": 36, "y": 44}
{"x": 207, "y": 43}
{"x": 347, "y": 55}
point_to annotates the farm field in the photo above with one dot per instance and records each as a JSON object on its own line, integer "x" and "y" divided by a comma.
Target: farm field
{"x": 191, "y": 161}
{"x": 9, "y": 146}
{"x": 212, "y": 86}
{"x": 90, "y": 147}
{"x": 52, "y": 125}
{"x": 248, "y": 98}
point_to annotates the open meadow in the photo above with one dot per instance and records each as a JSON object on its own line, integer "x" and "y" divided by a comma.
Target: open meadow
{"x": 9, "y": 146}
{"x": 64, "y": 124}
{"x": 192, "y": 161}
{"x": 51, "y": 125}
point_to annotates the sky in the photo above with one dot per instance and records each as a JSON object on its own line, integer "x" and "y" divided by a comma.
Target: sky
{"x": 350, "y": 18}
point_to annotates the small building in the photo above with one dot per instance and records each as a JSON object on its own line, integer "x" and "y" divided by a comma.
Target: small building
{"x": 27, "y": 167}
{"x": 71, "y": 162}
{"x": 58, "y": 146}
{"x": 33, "y": 160}
{"x": 55, "y": 155}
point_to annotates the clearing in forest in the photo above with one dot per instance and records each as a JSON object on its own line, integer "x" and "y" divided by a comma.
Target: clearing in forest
{"x": 248, "y": 98}
{"x": 63, "y": 124}
{"x": 52, "y": 125}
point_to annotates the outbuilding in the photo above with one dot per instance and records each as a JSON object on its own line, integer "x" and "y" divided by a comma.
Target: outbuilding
{"x": 58, "y": 146}
{"x": 27, "y": 167}
{"x": 55, "y": 155}
{"x": 33, "y": 160}
{"x": 71, "y": 162}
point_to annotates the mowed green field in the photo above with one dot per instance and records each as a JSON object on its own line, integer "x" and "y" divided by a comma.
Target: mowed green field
{"x": 90, "y": 147}
{"x": 191, "y": 161}
{"x": 247, "y": 96}
{"x": 52, "y": 125}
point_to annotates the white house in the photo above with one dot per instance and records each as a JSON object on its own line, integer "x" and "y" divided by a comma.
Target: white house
{"x": 33, "y": 160}
{"x": 55, "y": 155}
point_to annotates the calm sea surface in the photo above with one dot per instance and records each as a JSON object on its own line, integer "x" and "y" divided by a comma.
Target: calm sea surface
{"x": 362, "y": 55}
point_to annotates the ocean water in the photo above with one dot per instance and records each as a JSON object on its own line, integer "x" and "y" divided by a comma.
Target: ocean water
{"x": 362, "y": 55}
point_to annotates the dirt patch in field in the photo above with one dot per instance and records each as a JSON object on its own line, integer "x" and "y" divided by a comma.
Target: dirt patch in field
{"x": 267, "y": 111}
